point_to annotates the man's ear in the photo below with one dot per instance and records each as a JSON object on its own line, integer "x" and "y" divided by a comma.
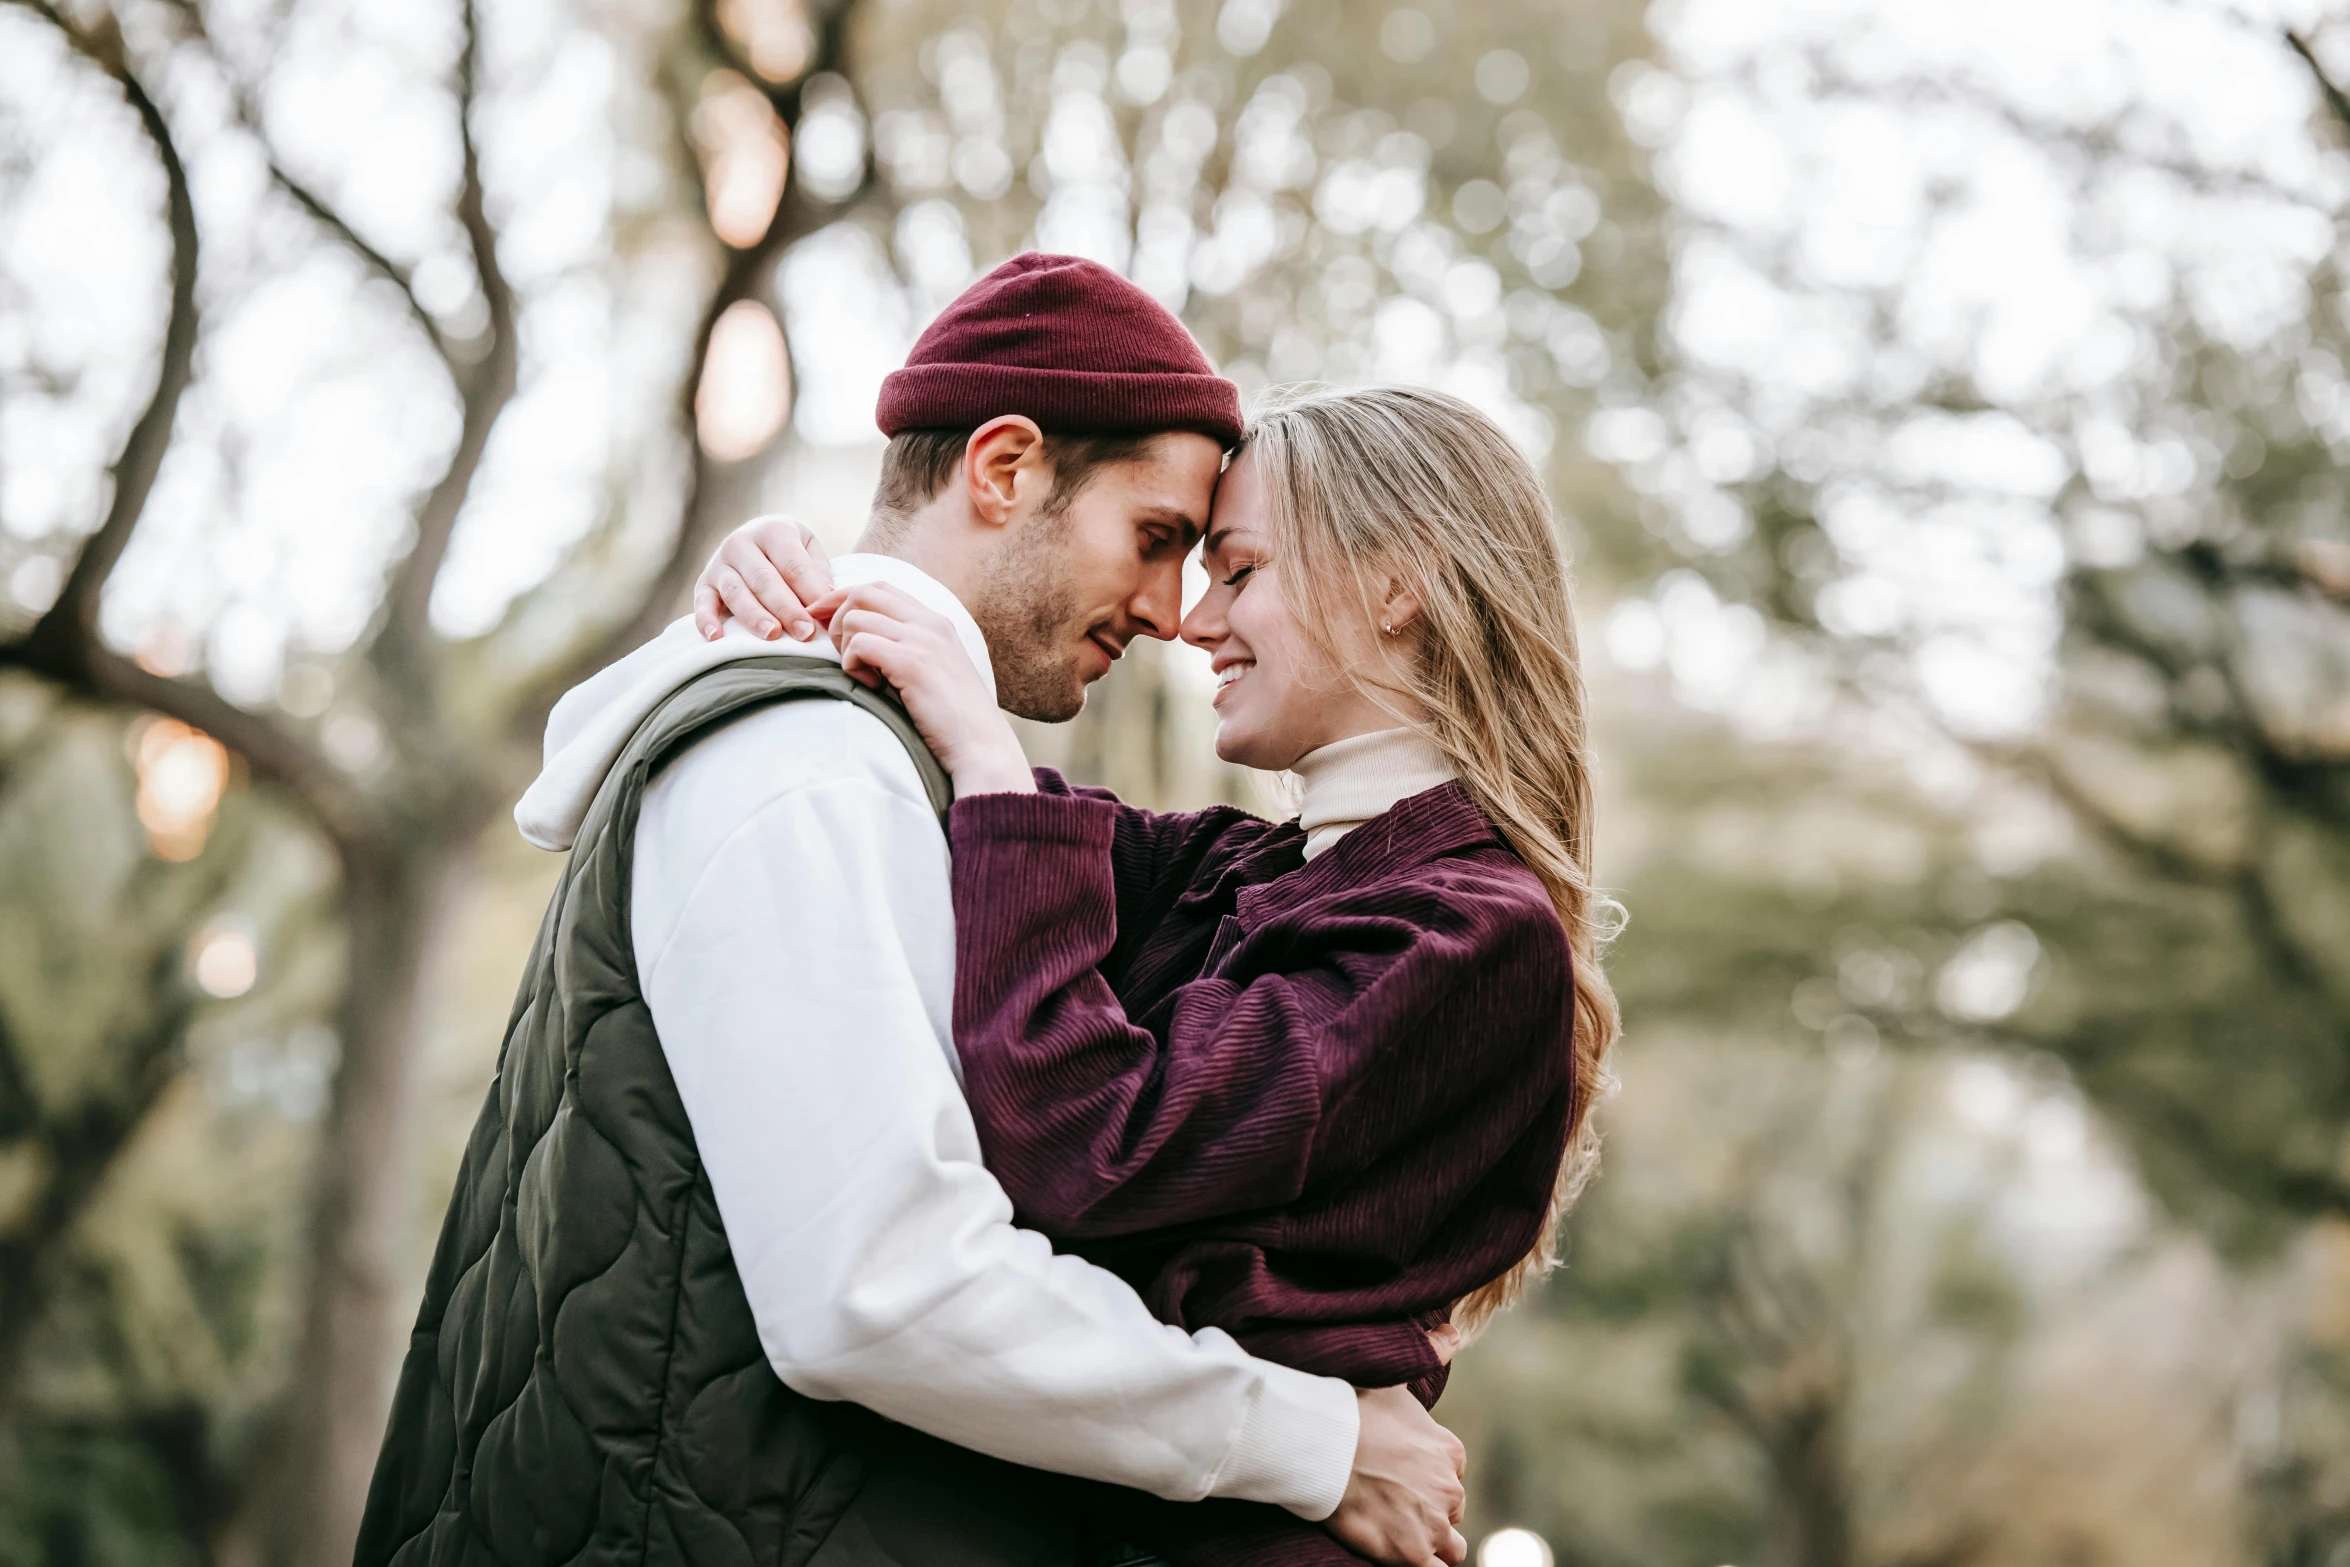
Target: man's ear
{"x": 1004, "y": 466}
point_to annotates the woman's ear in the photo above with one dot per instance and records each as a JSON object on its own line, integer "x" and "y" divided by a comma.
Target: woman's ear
{"x": 1400, "y": 610}
{"x": 1003, "y": 463}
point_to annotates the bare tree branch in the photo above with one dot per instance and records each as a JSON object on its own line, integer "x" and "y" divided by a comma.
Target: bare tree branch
{"x": 303, "y": 194}
{"x": 2336, "y": 104}
{"x": 334, "y": 223}
{"x": 403, "y": 648}
{"x": 71, "y": 624}
{"x": 274, "y": 753}
{"x": 65, "y": 644}
{"x": 746, "y": 276}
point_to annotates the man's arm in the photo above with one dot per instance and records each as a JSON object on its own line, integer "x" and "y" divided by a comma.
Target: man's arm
{"x": 796, "y": 976}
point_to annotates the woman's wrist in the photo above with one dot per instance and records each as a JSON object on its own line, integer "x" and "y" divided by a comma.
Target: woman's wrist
{"x": 993, "y": 772}
{"x": 987, "y": 759}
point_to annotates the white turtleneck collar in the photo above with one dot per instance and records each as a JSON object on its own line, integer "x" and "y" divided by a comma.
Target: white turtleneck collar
{"x": 1347, "y": 782}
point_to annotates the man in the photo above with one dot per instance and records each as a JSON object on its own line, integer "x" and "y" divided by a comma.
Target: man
{"x": 723, "y": 1279}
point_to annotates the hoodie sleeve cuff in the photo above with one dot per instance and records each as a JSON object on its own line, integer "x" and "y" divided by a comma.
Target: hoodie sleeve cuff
{"x": 1296, "y": 1449}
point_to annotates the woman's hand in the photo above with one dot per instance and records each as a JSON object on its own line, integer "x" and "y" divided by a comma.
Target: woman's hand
{"x": 1406, "y": 1494}
{"x": 765, "y": 574}
{"x": 886, "y": 637}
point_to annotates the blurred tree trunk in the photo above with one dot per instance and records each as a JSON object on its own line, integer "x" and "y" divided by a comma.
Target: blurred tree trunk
{"x": 1810, "y": 1523}
{"x": 404, "y": 833}
{"x": 397, "y": 905}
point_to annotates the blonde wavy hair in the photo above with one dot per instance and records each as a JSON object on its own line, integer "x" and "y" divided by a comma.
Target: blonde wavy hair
{"x": 1386, "y": 487}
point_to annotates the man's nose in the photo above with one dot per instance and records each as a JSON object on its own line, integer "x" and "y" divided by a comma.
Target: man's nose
{"x": 1158, "y": 607}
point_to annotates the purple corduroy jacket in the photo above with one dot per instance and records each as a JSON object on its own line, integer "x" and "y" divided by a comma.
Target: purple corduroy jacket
{"x": 1312, "y": 1104}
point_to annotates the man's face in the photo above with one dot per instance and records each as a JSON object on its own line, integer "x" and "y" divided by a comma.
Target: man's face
{"x": 1073, "y": 584}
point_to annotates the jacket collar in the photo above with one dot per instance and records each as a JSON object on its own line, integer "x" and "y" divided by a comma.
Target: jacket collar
{"x": 1414, "y": 832}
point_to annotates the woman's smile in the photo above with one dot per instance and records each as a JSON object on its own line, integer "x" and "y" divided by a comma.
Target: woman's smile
{"x": 1226, "y": 675}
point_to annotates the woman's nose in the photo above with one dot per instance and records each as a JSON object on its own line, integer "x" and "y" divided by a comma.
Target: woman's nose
{"x": 1204, "y": 626}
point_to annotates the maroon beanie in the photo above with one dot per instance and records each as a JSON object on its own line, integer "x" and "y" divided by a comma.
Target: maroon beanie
{"x": 1070, "y": 344}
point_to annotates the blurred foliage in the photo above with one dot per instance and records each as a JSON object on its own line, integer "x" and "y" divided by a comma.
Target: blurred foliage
{"x": 152, "y": 1136}
{"x": 1794, "y": 1330}
{"x": 2190, "y": 937}
{"x": 2143, "y": 898}
{"x": 2196, "y": 940}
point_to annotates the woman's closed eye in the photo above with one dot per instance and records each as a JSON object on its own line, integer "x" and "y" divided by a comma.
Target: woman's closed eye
{"x": 1238, "y": 577}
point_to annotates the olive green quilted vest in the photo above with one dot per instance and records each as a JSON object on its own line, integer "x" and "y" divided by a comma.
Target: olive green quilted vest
{"x": 585, "y": 1382}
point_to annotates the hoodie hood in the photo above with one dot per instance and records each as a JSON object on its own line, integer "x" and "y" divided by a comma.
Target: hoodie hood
{"x": 591, "y": 726}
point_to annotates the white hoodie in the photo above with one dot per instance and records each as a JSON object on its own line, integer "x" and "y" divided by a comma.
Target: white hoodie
{"x": 794, "y": 932}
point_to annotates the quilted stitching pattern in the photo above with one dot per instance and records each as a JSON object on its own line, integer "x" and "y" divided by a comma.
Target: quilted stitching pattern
{"x": 585, "y": 1382}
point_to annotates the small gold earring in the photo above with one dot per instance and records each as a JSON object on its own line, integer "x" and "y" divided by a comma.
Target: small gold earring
{"x": 1390, "y": 630}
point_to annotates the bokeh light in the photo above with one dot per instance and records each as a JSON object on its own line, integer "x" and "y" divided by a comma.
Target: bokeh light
{"x": 746, "y": 154}
{"x": 224, "y": 960}
{"x": 1514, "y": 1547}
{"x": 182, "y": 772}
{"x": 746, "y": 384}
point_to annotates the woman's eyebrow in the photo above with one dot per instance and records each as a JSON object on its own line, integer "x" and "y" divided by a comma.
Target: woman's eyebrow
{"x": 1217, "y": 537}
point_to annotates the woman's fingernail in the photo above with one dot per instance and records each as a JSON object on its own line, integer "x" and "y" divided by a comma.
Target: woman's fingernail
{"x": 767, "y": 629}
{"x": 804, "y": 629}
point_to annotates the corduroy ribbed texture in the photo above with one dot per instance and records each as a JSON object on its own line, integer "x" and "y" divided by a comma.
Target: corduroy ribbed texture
{"x": 1066, "y": 342}
{"x": 1310, "y": 1104}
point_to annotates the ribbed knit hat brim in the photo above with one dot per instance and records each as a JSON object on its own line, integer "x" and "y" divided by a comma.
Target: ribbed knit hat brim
{"x": 1072, "y": 402}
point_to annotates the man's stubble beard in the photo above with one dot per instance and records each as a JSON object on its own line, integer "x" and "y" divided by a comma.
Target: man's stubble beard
{"x": 1028, "y": 612}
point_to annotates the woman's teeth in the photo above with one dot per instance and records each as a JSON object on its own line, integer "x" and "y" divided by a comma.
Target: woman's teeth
{"x": 1230, "y": 673}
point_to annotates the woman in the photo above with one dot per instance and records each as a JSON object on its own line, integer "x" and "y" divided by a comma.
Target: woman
{"x": 1324, "y": 1084}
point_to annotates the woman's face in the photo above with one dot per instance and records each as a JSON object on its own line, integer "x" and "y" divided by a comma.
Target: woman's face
{"x": 1277, "y": 697}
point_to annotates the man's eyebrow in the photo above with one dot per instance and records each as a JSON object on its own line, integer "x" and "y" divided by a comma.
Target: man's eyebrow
{"x": 1192, "y": 528}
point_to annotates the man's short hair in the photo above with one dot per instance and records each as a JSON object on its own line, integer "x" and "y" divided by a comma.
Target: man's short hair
{"x": 920, "y": 463}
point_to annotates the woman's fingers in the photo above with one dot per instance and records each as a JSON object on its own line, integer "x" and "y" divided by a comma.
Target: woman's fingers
{"x": 1455, "y": 1550}
{"x": 890, "y": 600}
{"x": 866, "y": 622}
{"x": 741, "y": 602}
{"x": 767, "y": 586}
{"x": 872, "y": 658}
{"x": 878, "y": 606}
{"x": 778, "y": 568}
{"x": 795, "y": 553}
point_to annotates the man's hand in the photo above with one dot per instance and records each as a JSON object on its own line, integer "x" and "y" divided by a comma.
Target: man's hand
{"x": 765, "y": 574}
{"x": 1405, "y": 1495}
